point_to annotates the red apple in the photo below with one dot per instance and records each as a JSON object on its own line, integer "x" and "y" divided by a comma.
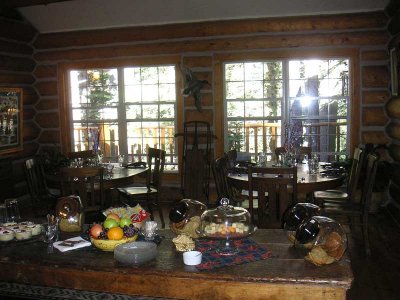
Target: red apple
{"x": 96, "y": 230}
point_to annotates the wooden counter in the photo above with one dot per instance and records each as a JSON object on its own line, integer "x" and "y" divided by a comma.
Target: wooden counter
{"x": 286, "y": 275}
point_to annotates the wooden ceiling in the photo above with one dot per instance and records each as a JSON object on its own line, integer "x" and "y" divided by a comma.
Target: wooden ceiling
{"x": 24, "y": 3}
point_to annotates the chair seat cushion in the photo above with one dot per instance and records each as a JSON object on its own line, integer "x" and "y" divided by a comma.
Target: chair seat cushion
{"x": 331, "y": 194}
{"x": 348, "y": 209}
{"x": 136, "y": 190}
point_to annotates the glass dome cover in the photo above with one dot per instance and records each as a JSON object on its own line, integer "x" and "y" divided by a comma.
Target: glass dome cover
{"x": 226, "y": 221}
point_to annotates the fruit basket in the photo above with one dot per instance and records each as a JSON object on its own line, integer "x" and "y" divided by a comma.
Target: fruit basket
{"x": 109, "y": 245}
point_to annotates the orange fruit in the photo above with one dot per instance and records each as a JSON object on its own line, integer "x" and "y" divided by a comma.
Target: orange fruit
{"x": 115, "y": 233}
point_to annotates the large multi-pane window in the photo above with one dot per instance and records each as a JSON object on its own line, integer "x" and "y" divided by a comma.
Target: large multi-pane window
{"x": 288, "y": 103}
{"x": 125, "y": 111}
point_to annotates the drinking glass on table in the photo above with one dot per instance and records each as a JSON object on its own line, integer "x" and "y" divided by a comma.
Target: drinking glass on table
{"x": 121, "y": 159}
{"x": 12, "y": 210}
{"x": 50, "y": 233}
{"x": 109, "y": 170}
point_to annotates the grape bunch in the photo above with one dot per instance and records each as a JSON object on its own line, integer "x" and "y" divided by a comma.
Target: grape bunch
{"x": 103, "y": 235}
{"x": 130, "y": 231}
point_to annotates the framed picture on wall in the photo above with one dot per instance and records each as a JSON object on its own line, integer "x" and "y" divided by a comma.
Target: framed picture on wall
{"x": 10, "y": 120}
{"x": 394, "y": 69}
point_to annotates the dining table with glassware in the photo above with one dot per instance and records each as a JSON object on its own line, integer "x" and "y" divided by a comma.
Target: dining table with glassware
{"x": 34, "y": 268}
{"x": 323, "y": 178}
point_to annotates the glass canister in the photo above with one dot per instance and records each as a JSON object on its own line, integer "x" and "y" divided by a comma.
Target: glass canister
{"x": 299, "y": 213}
{"x": 70, "y": 211}
{"x": 226, "y": 223}
{"x": 185, "y": 217}
{"x": 324, "y": 237}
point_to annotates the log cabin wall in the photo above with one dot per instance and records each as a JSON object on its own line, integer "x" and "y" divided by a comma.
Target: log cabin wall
{"x": 201, "y": 45}
{"x": 392, "y": 194}
{"x": 16, "y": 70}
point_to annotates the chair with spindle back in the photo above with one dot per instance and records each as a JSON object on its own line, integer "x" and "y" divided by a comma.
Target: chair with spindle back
{"x": 42, "y": 199}
{"x": 87, "y": 183}
{"x": 338, "y": 195}
{"x": 356, "y": 212}
{"x": 276, "y": 190}
{"x": 148, "y": 195}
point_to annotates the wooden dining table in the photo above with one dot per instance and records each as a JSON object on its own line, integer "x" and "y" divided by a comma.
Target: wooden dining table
{"x": 306, "y": 183}
{"x": 123, "y": 176}
{"x": 32, "y": 267}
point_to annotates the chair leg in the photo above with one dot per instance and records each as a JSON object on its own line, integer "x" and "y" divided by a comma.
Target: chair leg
{"x": 150, "y": 207}
{"x": 160, "y": 212}
{"x": 365, "y": 234}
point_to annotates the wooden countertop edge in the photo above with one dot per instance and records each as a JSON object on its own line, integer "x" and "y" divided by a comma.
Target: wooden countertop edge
{"x": 158, "y": 285}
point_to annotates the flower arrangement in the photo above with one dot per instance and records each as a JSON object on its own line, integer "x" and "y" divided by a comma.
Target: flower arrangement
{"x": 94, "y": 139}
{"x": 293, "y": 133}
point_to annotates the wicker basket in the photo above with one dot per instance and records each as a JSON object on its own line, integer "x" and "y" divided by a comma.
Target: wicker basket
{"x": 109, "y": 245}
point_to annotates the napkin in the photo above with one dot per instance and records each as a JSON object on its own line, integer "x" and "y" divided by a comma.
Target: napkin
{"x": 71, "y": 244}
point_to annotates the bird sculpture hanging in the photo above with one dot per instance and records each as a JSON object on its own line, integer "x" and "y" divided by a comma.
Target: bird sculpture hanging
{"x": 193, "y": 86}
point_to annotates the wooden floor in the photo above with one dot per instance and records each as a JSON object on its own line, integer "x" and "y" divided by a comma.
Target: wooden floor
{"x": 377, "y": 276}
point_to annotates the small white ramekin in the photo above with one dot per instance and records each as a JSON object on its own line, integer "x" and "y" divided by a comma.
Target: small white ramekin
{"x": 192, "y": 258}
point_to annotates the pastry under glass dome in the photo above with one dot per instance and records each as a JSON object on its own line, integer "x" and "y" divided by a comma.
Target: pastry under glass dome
{"x": 226, "y": 223}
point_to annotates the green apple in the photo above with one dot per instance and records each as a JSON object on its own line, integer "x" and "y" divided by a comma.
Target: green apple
{"x": 125, "y": 222}
{"x": 110, "y": 223}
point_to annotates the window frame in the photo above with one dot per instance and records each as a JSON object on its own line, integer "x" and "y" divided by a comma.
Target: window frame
{"x": 63, "y": 70}
{"x": 354, "y": 94}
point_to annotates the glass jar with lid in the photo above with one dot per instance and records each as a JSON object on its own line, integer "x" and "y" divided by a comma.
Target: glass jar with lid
{"x": 296, "y": 215}
{"x": 185, "y": 217}
{"x": 324, "y": 237}
{"x": 226, "y": 222}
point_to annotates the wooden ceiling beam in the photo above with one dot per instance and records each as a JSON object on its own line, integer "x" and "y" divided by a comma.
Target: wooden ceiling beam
{"x": 25, "y": 3}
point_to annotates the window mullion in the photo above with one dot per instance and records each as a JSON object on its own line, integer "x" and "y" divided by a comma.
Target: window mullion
{"x": 122, "y": 125}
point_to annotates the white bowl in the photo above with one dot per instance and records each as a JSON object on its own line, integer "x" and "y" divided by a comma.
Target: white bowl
{"x": 192, "y": 258}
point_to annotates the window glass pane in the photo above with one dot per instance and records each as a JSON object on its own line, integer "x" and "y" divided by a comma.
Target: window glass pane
{"x": 150, "y": 111}
{"x": 234, "y": 90}
{"x": 133, "y": 93}
{"x": 147, "y": 116}
{"x": 261, "y": 114}
{"x": 234, "y": 72}
{"x": 254, "y": 109}
{"x": 133, "y": 111}
{"x": 254, "y": 89}
{"x": 253, "y": 71}
{"x": 235, "y": 109}
{"x": 167, "y": 92}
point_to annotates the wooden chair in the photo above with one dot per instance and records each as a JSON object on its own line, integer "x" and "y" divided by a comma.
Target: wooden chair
{"x": 42, "y": 199}
{"x": 148, "y": 195}
{"x": 87, "y": 183}
{"x": 231, "y": 157}
{"x": 356, "y": 211}
{"x": 276, "y": 190}
{"x": 322, "y": 197}
{"x": 220, "y": 168}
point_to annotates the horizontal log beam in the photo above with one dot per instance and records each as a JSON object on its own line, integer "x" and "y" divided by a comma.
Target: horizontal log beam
{"x": 24, "y": 3}
{"x": 16, "y": 79}
{"x": 215, "y": 28}
{"x": 221, "y": 44}
{"x": 15, "y": 48}
{"x": 16, "y": 30}
{"x": 18, "y": 64}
